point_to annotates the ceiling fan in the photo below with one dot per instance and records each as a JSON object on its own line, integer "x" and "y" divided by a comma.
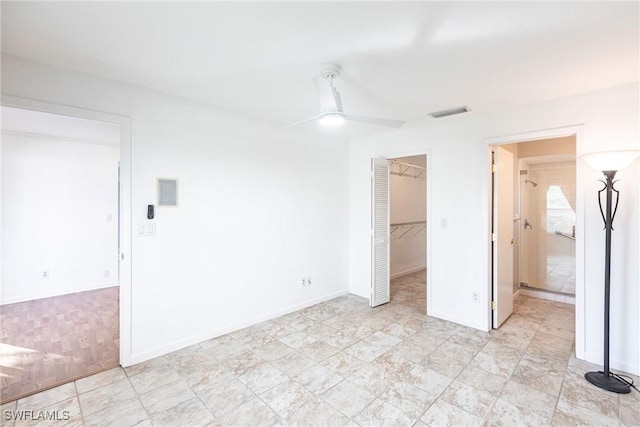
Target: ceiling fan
{"x": 331, "y": 113}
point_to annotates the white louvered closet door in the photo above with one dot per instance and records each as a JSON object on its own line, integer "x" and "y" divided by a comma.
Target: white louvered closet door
{"x": 380, "y": 290}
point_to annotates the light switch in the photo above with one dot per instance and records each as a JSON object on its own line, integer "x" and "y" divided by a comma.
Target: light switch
{"x": 141, "y": 228}
{"x": 151, "y": 228}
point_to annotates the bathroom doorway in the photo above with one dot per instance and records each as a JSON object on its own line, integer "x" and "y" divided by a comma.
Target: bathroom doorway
{"x": 545, "y": 220}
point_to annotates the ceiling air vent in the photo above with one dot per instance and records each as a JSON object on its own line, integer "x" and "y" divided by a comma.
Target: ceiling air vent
{"x": 449, "y": 112}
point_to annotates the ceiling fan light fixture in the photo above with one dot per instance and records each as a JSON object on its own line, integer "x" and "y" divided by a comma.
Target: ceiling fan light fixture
{"x": 331, "y": 119}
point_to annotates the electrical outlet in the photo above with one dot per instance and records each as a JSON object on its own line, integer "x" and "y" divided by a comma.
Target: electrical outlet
{"x": 475, "y": 297}
{"x": 107, "y": 273}
{"x": 308, "y": 280}
{"x": 45, "y": 274}
{"x": 304, "y": 282}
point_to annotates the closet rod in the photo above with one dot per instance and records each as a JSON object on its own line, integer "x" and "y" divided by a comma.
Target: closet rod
{"x": 408, "y": 164}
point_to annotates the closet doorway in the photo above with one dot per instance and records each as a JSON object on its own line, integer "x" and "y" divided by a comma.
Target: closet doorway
{"x": 408, "y": 230}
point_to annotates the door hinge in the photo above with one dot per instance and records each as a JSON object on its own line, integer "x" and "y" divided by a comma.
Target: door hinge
{"x": 494, "y": 237}
{"x": 493, "y": 305}
{"x": 494, "y": 168}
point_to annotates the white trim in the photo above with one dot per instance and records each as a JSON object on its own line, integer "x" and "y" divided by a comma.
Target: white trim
{"x": 361, "y": 292}
{"x": 217, "y": 332}
{"x": 460, "y": 321}
{"x": 578, "y": 131}
{"x": 516, "y": 293}
{"x": 124, "y": 257}
{"x": 409, "y": 271}
{"x": 49, "y": 137}
{"x": 59, "y": 293}
{"x": 615, "y": 364}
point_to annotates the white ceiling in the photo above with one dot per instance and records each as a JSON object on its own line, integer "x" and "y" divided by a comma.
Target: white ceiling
{"x": 400, "y": 60}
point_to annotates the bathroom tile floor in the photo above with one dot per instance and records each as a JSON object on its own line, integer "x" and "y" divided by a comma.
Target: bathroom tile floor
{"x": 343, "y": 363}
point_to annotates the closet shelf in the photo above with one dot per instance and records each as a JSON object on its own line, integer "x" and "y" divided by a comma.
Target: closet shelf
{"x": 409, "y": 226}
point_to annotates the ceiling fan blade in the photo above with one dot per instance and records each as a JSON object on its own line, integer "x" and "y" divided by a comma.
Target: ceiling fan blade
{"x": 297, "y": 123}
{"x": 375, "y": 121}
{"x": 329, "y": 97}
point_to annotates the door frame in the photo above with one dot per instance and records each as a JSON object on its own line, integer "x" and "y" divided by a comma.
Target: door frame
{"x": 124, "y": 257}
{"x": 576, "y": 130}
{"x": 427, "y": 153}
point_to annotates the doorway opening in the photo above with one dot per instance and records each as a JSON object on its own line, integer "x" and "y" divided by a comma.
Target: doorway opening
{"x": 400, "y": 230}
{"x": 60, "y": 256}
{"x": 533, "y": 222}
{"x": 408, "y": 226}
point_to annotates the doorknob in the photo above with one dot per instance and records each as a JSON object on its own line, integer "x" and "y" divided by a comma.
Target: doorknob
{"x": 513, "y": 241}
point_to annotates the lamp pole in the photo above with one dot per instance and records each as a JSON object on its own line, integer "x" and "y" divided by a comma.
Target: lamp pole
{"x": 604, "y": 379}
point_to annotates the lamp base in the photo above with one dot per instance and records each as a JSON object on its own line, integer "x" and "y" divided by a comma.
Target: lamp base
{"x": 609, "y": 383}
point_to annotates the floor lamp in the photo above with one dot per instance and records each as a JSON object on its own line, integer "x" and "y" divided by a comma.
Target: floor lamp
{"x": 609, "y": 163}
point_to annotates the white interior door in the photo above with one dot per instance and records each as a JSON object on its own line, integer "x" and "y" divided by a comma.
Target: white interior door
{"x": 380, "y": 289}
{"x": 503, "y": 240}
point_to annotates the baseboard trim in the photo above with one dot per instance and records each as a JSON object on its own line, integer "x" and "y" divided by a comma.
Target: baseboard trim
{"x": 516, "y": 293}
{"x": 408, "y": 271}
{"x": 57, "y": 294}
{"x": 457, "y": 320}
{"x": 186, "y": 342}
{"x": 615, "y": 364}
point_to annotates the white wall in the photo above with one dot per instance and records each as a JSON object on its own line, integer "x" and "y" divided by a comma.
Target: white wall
{"x": 60, "y": 215}
{"x": 408, "y": 204}
{"x": 257, "y": 212}
{"x": 458, "y": 264}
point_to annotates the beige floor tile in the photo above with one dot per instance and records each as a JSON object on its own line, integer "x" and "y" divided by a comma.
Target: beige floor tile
{"x": 569, "y": 414}
{"x": 152, "y": 379}
{"x": 318, "y": 351}
{"x": 189, "y": 413}
{"x": 47, "y": 398}
{"x": 577, "y": 390}
{"x": 505, "y": 414}
{"x": 373, "y": 378}
{"x": 66, "y": 413}
{"x": 160, "y": 400}
{"x": 348, "y": 397}
{"x": 98, "y": 380}
{"x": 299, "y": 339}
{"x": 285, "y": 398}
{"x": 251, "y": 413}
{"x": 262, "y": 378}
{"x": 226, "y": 396}
{"x": 366, "y": 351}
{"x": 441, "y": 359}
{"x": 380, "y": 413}
{"x": 272, "y": 351}
{"x": 318, "y": 379}
{"x": 469, "y": 399}
{"x": 529, "y": 399}
{"x": 342, "y": 364}
{"x": 293, "y": 363}
{"x": 428, "y": 380}
{"x": 442, "y": 413}
{"x": 544, "y": 375}
{"x": 411, "y": 400}
{"x": 482, "y": 380}
{"x": 106, "y": 396}
{"x": 122, "y": 413}
{"x": 318, "y": 414}
{"x": 148, "y": 365}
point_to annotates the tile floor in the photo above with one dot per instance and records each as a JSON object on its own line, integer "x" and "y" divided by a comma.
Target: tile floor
{"x": 343, "y": 363}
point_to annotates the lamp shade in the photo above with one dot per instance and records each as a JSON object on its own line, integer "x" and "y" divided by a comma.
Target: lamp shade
{"x": 610, "y": 160}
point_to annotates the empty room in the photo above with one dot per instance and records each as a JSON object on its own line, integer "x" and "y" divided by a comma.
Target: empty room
{"x": 320, "y": 213}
